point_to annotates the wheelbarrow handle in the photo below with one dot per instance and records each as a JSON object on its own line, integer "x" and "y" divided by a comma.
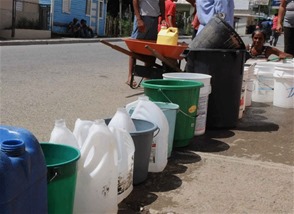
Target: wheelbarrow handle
{"x": 127, "y": 52}
{"x": 163, "y": 59}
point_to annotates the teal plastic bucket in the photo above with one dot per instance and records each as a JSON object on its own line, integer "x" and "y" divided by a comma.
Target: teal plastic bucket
{"x": 170, "y": 111}
{"x": 61, "y": 161}
{"x": 184, "y": 93}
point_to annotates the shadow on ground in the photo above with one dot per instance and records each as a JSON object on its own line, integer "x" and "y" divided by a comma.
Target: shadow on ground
{"x": 254, "y": 120}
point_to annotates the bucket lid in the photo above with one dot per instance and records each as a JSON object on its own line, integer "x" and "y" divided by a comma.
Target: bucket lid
{"x": 171, "y": 84}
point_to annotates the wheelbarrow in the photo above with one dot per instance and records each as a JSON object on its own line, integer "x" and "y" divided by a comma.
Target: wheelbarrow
{"x": 145, "y": 51}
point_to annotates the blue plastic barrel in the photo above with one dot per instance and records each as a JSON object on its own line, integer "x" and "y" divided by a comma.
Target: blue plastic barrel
{"x": 23, "y": 172}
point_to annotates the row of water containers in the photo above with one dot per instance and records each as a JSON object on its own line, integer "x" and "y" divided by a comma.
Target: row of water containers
{"x": 268, "y": 82}
{"x": 115, "y": 154}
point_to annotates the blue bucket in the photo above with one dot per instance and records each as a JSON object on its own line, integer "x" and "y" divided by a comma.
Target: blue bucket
{"x": 170, "y": 111}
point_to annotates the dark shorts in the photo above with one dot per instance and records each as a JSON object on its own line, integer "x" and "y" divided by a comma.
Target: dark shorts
{"x": 288, "y": 40}
{"x": 151, "y": 24}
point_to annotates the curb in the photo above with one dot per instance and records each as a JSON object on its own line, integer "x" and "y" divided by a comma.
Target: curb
{"x": 54, "y": 41}
{"x": 66, "y": 40}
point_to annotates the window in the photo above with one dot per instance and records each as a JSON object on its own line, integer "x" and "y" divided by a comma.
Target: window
{"x": 100, "y": 9}
{"x": 66, "y": 6}
{"x": 88, "y": 7}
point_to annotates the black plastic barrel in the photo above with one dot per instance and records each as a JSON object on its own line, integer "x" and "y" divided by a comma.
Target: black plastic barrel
{"x": 217, "y": 34}
{"x": 226, "y": 69}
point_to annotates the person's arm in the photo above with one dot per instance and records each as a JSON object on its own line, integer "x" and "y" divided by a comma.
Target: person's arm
{"x": 140, "y": 23}
{"x": 281, "y": 15}
{"x": 170, "y": 14}
{"x": 277, "y": 52}
{"x": 162, "y": 11}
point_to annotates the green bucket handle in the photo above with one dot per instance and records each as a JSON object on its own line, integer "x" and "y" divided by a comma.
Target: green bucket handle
{"x": 184, "y": 113}
{"x": 52, "y": 174}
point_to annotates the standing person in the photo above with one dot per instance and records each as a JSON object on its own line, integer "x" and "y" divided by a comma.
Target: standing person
{"x": 206, "y": 9}
{"x": 275, "y": 33}
{"x": 170, "y": 14}
{"x": 286, "y": 12}
{"x": 145, "y": 25}
{"x": 266, "y": 26}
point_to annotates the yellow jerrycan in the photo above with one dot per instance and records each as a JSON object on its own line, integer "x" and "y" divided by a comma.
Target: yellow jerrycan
{"x": 168, "y": 36}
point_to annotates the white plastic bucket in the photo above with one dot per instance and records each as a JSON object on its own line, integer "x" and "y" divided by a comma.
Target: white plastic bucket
{"x": 249, "y": 76}
{"x": 284, "y": 86}
{"x": 249, "y": 89}
{"x": 200, "y": 125}
{"x": 263, "y": 82}
{"x": 243, "y": 92}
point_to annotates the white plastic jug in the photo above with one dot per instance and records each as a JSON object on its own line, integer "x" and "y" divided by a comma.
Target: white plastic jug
{"x": 96, "y": 187}
{"x": 126, "y": 151}
{"x": 62, "y": 135}
{"x": 81, "y": 130}
{"x": 122, "y": 119}
{"x": 149, "y": 111}
{"x": 130, "y": 107}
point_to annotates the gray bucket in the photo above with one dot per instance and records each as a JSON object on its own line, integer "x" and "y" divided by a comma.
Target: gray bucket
{"x": 143, "y": 138}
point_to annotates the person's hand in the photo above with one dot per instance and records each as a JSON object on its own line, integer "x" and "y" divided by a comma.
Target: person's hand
{"x": 279, "y": 28}
{"x": 141, "y": 25}
{"x": 285, "y": 56}
{"x": 163, "y": 22}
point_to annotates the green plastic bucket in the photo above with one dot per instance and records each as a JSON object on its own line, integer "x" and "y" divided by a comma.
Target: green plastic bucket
{"x": 185, "y": 93}
{"x": 61, "y": 161}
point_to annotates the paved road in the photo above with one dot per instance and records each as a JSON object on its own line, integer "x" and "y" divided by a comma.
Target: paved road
{"x": 248, "y": 169}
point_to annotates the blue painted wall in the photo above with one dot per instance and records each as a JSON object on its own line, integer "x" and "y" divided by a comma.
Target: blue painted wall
{"x": 78, "y": 10}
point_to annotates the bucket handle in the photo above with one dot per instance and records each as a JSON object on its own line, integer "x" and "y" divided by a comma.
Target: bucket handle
{"x": 54, "y": 172}
{"x": 267, "y": 85}
{"x": 158, "y": 130}
{"x": 173, "y": 103}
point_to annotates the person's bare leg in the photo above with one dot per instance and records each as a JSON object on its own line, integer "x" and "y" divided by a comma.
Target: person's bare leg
{"x": 132, "y": 62}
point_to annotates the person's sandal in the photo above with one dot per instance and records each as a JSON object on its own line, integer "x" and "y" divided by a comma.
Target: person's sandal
{"x": 134, "y": 84}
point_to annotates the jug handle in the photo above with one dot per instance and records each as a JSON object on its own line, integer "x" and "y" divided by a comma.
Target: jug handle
{"x": 96, "y": 170}
{"x": 84, "y": 155}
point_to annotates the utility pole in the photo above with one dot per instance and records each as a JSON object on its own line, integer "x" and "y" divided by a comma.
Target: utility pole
{"x": 120, "y": 17}
{"x": 13, "y": 18}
